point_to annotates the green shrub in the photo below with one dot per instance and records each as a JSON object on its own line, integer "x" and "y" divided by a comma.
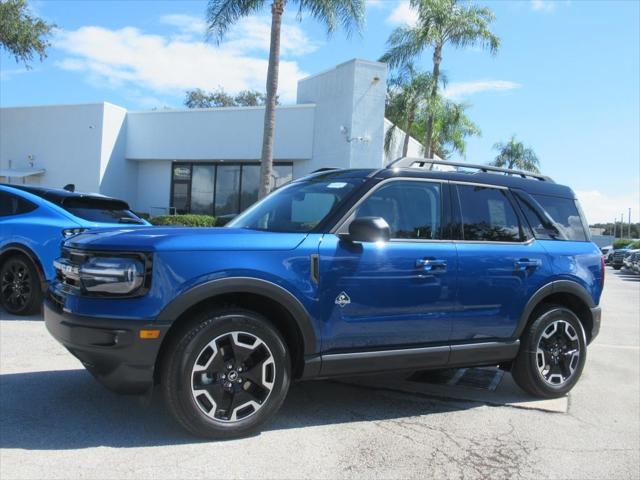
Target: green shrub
{"x": 185, "y": 220}
{"x": 635, "y": 244}
{"x": 621, "y": 243}
{"x": 144, "y": 215}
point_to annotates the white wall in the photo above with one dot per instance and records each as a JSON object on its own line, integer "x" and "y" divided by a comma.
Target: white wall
{"x": 346, "y": 96}
{"x": 218, "y": 134}
{"x": 64, "y": 139}
{"x": 153, "y": 187}
{"x": 395, "y": 146}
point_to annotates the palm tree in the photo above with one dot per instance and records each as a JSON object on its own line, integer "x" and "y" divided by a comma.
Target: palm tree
{"x": 514, "y": 154}
{"x": 407, "y": 94}
{"x": 440, "y": 22}
{"x": 221, "y": 14}
{"x": 451, "y": 127}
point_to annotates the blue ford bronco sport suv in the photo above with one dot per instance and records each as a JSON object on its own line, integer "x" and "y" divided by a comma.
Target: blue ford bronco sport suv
{"x": 342, "y": 272}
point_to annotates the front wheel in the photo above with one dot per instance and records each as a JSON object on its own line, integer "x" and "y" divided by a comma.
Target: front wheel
{"x": 227, "y": 374}
{"x": 552, "y": 353}
{"x": 20, "y": 292}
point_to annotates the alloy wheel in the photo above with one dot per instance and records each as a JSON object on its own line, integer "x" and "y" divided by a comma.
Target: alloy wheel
{"x": 15, "y": 285}
{"x": 558, "y": 353}
{"x": 233, "y": 376}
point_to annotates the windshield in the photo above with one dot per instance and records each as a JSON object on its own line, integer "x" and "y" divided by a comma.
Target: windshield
{"x": 101, "y": 210}
{"x": 297, "y": 207}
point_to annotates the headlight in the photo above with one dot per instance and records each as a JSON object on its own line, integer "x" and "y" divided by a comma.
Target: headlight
{"x": 112, "y": 275}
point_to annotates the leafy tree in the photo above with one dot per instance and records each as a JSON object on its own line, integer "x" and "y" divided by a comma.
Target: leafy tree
{"x": 514, "y": 154}
{"x": 408, "y": 91}
{"x": 219, "y": 98}
{"x": 222, "y": 14}
{"x": 440, "y": 22}
{"x": 21, "y": 34}
{"x": 451, "y": 127}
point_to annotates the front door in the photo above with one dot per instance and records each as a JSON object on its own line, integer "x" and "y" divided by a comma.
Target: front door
{"x": 396, "y": 293}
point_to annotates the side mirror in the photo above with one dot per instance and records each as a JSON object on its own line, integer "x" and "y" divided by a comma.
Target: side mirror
{"x": 368, "y": 229}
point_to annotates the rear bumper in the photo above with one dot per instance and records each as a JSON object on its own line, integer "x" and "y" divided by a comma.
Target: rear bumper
{"x": 108, "y": 348}
{"x": 596, "y": 316}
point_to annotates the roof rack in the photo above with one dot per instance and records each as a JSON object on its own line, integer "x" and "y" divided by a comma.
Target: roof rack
{"x": 428, "y": 163}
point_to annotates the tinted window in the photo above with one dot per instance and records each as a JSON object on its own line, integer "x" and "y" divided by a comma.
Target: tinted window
{"x": 298, "y": 207}
{"x": 565, "y": 214}
{"x": 14, "y": 205}
{"x": 227, "y": 189}
{"x": 412, "y": 209}
{"x": 542, "y": 227}
{"x": 202, "y": 189}
{"x": 100, "y": 210}
{"x": 487, "y": 214}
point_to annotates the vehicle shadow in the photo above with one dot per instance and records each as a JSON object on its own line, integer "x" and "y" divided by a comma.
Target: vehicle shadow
{"x": 4, "y": 315}
{"x": 57, "y": 410}
{"x": 627, "y": 276}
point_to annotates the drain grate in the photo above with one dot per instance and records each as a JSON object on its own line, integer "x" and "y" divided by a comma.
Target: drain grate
{"x": 480, "y": 378}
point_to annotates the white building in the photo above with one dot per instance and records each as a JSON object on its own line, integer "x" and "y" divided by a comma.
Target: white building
{"x": 200, "y": 161}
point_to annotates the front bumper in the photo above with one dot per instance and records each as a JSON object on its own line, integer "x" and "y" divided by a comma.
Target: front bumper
{"x": 108, "y": 348}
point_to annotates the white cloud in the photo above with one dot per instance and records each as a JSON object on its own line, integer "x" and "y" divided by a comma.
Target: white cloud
{"x": 181, "y": 59}
{"x": 458, "y": 90}
{"x": 403, "y": 14}
{"x": 543, "y": 5}
{"x": 601, "y": 207}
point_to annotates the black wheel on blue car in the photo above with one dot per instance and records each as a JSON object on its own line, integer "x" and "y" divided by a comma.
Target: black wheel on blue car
{"x": 552, "y": 354}
{"x": 226, "y": 374}
{"x": 20, "y": 291}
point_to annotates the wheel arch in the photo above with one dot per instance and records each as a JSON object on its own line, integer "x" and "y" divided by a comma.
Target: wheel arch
{"x": 281, "y": 307}
{"x": 565, "y": 293}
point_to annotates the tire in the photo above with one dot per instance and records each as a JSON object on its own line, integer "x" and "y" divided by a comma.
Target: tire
{"x": 20, "y": 287}
{"x": 226, "y": 373}
{"x": 546, "y": 365}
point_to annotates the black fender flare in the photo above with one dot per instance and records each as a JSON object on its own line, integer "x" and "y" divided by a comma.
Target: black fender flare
{"x": 30, "y": 254}
{"x": 557, "y": 286}
{"x": 222, "y": 286}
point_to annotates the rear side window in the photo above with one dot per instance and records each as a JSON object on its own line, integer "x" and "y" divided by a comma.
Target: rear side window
{"x": 566, "y": 216}
{"x": 14, "y": 205}
{"x": 100, "y": 210}
{"x": 412, "y": 209}
{"x": 488, "y": 215}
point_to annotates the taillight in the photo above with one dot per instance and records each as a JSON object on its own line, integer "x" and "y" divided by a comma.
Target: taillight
{"x": 602, "y": 270}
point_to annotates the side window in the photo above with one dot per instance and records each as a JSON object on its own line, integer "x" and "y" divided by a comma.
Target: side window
{"x": 487, "y": 214}
{"x": 565, "y": 214}
{"x": 412, "y": 209}
{"x": 13, "y": 205}
{"x": 542, "y": 228}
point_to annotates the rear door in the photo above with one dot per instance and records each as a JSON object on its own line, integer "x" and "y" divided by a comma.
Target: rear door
{"x": 395, "y": 293}
{"x": 500, "y": 265}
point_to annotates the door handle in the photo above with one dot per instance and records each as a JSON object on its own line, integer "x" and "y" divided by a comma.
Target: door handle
{"x": 431, "y": 265}
{"x": 525, "y": 264}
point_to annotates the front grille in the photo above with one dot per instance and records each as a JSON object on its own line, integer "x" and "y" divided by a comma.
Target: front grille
{"x": 618, "y": 256}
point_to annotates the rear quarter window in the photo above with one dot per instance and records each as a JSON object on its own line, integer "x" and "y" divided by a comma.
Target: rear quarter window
{"x": 100, "y": 210}
{"x": 566, "y": 214}
{"x": 14, "y": 205}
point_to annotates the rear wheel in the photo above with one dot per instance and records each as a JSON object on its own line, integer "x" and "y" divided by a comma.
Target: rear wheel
{"x": 20, "y": 291}
{"x": 552, "y": 354}
{"x": 227, "y": 374}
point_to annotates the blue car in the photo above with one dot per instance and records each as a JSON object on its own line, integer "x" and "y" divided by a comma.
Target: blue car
{"x": 339, "y": 273}
{"x": 34, "y": 221}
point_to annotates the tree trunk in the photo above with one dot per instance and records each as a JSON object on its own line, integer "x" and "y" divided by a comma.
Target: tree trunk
{"x": 435, "y": 76}
{"x": 266, "y": 164}
{"x": 407, "y": 133}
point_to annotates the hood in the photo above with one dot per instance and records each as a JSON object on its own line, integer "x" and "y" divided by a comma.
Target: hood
{"x": 156, "y": 239}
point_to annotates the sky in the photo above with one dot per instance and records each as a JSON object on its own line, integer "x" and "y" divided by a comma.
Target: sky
{"x": 565, "y": 81}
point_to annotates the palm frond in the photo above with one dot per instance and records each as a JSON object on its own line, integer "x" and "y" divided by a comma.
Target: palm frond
{"x": 348, "y": 14}
{"x": 221, "y": 14}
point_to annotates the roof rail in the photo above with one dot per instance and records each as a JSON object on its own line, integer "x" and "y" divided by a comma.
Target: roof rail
{"x": 428, "y": 163}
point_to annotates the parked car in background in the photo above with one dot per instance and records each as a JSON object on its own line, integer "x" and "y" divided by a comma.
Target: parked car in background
{"x": 605, "y": 253}
{"x": 630, "y": 259}
{"x": 635, "y": 265}
{"x": 342, "y": 272}
{"x": 617, "y": 257}
{"x": 33, "y": 223}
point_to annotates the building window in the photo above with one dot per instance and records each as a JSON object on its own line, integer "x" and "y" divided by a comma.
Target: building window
{"x": 222, "y": 188}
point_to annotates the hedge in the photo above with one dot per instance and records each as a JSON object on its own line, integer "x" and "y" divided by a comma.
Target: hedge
{"x": 621, "y": 242}
{"x": 185, "y": 220}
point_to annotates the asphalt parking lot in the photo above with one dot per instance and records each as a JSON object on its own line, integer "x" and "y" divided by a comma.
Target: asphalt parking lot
{"x": 57, "y": 422}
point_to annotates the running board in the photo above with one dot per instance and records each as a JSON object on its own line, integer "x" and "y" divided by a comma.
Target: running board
{"x": 468, "y": 355}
